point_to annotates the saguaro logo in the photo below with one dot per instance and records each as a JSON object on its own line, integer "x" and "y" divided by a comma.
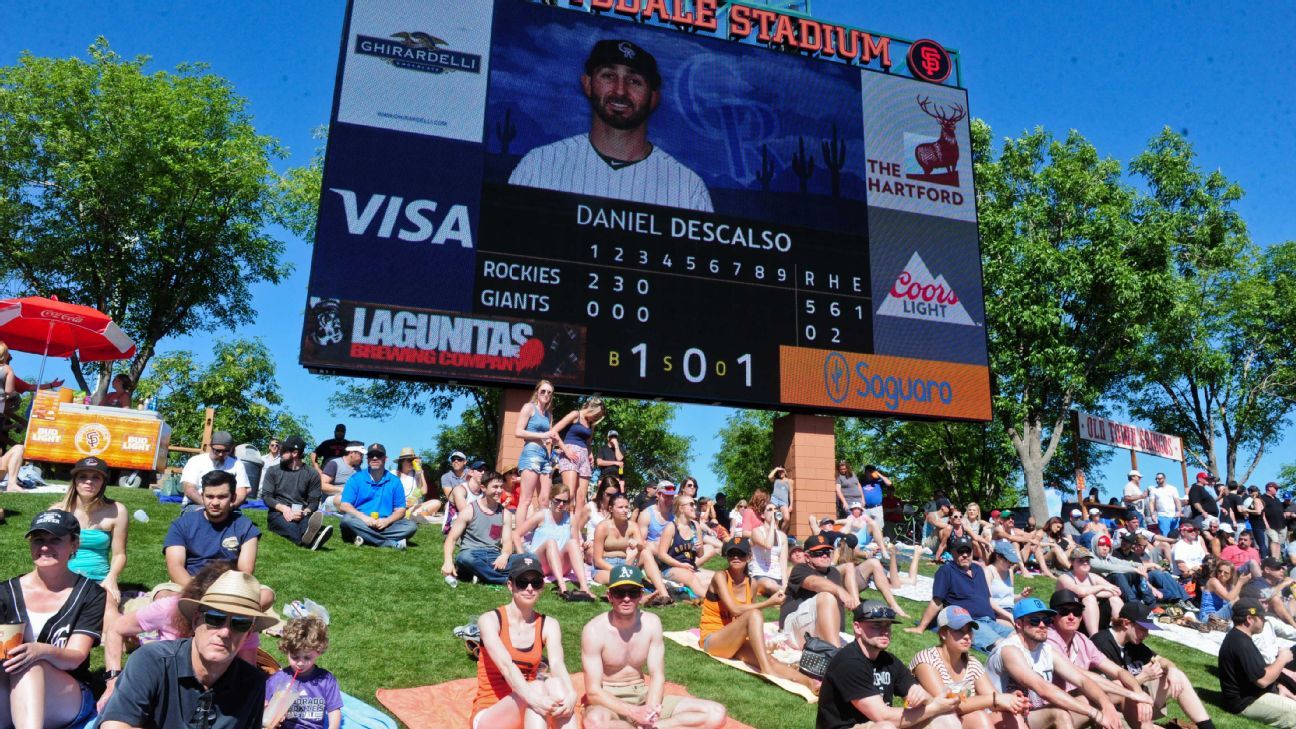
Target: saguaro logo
{"x": 916, "y": 294}
{"x": 418, "y": 51}
{"x": 941, "y": 154}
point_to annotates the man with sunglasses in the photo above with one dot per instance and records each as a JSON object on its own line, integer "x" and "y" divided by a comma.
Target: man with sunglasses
{"x": 198, "y": 681}
{"x": 1067, "y": 640}
{"x": 1248, "y": 683}
{"x": 1188, "y": 553}
{"x": 219, "y": 457}
{"x": 963, "y": 583}
{"x": 817, "y": 595}
{"x": 373, "y": 505}
{"x": 617, "y": 649}
{"x": 863, "y": 679}
{"x": 337, "y": 472}
{"x": 1026, "y": 662}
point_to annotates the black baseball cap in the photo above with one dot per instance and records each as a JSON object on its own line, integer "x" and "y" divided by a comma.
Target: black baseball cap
{"x": 477, "y": 464}
{"x": 55, "y": 521}
{"x": 292, "y": 443}
{"x": 736, "y": 544}
{"x": 1065, "y": 597}
{"x": 1247, "y": 606}
{"x": 90, "y": 463}
{"x": 1137, "y": 612}
{"x": 959, "y": 543}
{"x": 377, "y": 449}
{"x": 1272, "y": 563}
{"x": 624, "y": 53}
{"x": 521, "y": 564}
{"x": 818, "y": 543}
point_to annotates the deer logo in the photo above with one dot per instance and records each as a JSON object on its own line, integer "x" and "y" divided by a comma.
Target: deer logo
{"x": 944, "y": 152}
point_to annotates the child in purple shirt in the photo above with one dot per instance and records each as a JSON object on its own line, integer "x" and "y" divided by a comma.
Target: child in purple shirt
{"x": 319, "y": 702}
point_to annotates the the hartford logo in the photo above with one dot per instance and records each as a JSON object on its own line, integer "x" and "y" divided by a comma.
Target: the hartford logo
{"x": 916, "y": 294}
{"x": 418, "y": 51}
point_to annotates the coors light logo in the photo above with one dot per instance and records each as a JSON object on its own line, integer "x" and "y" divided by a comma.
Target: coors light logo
{"x": 916, "y": 294}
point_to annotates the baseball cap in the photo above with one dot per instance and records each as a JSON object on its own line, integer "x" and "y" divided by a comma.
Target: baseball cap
{"x": 613, "y": 434}
{"x": 872, "y": 611}
{"x": 1203, "y": 476}
{"x": 55, "y": 521}
{"x": 666, "y": 487}
{"x": 377, "y": 449}
{"x": 955, "y": 617}
{"x": 856, "y": 505}
{"x": 355, "y": 446}
{"x": 1133, "y": 473}
{"x": 1080, "y": 553}
{"x": 1226, "y": 527}
{"x": 521, "y": 564}
{"x": 457, "y": 455}
{"x": 959, "y": 543}
{"x": 1077, "y": 514}
{"x": 1006, "y": 551}
{"x": 1006, "y": 514}
{"x": 1103, "y": 539}
{"x": 624, "y": 53}
{"x": 994, "y": 514}
{"x": 1272, "y": 563}
{"x": 942, "y": 501}
{"x": 1094, "y": 511}
{"x": 740, "y": 544}
{"x": 292, "y": 443}
{"x": 222, "y": 438}
{"x": 625, "y": 575}
{"x": 826, "y": 520}
{"x": 90, "y": 463}
{"x": 477, "y": 464}
{"x": 1248, "y": 606}
{"x": 1137, "y": 612}
{"x": 1031, "y": 606}
{"x": 818, "y": 543}
{"x": 1063, "y": 597}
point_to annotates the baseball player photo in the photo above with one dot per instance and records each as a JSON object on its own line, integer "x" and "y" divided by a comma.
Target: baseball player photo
{"x": 616, "y": 159}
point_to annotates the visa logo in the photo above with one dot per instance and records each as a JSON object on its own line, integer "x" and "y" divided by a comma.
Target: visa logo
{"x": 417, "y": 219}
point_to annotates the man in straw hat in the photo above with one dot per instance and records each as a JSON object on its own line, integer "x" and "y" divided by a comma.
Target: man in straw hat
{"x": 198, "y": 681}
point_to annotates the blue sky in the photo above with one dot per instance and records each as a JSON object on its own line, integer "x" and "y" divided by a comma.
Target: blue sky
{"x": 1115, "y": 71}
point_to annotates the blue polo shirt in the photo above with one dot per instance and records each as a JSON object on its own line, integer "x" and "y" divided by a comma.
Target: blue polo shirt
{"x": 367, "y": 495}
{"x": 953, "y": 586}
{"x": 204, "y": 541}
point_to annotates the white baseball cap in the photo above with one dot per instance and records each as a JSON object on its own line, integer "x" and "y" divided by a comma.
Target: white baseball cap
{"x": 1076, "y": 514}
{"x": 1132, "y": 474}
{"x": 1094, "y": 512}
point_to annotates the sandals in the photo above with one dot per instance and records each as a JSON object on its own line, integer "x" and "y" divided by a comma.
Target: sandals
{"x": 576, "y": 596}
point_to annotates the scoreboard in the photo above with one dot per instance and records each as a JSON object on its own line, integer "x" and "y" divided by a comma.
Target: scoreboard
{"x": 698, "y": 206}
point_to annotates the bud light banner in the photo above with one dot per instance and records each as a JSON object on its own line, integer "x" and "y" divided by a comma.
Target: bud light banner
{"x": 652, "y": 204}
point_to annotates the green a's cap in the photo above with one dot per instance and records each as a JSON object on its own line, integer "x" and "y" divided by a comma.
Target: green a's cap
{"x": 626, "y": 575}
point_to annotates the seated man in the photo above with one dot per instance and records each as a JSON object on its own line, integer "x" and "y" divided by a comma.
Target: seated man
{"x": 484, "y": 533}
{"x": 1101, "y": 598}
{"x": 1123, "y": 644}
{"x": 219, "y": 457}
{"x": 1244, "y": 554}
{"x": 816, "y": 594}
{"x": 963, "y": 583}
{"x": 1119, "y": 684}
{"x": 1188, "y": 553}
{"x": 863, "y": 679}
{"x": 1271, "y": 589}
{"x": 1249, "y": 685}
{"x": 215, "y": 533}
{"x": 291, "y": 491}
{"x": 337, "y": 472}
{"x": 1137, "y": 579}
{"x": 167, "y": 682}
{"x": 1026, "y": 662}
{"x": 623, "y": 656}
{"x": 936, "y": 523}
{"x": 1026, "y": 543}
{"x": 373, "y": 505}
{"x": 1160, "y": 546}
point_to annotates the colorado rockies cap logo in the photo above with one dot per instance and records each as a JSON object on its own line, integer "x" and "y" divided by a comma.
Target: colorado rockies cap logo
{"x": 626, "y": 49}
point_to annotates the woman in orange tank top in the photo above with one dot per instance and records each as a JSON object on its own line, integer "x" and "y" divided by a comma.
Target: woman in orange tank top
{"x": 510, "y": 694}
{"x": 732, "y": 626}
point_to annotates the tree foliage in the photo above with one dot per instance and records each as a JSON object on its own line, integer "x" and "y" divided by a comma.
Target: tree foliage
{"x": 145, "y": 195}
{"x": 239, "y": 382}
{"x": 746, "y": 452}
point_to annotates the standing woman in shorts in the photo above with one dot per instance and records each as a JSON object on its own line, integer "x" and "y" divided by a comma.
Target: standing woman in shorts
{"x": 535, "y": 430}
{"x": 574, "y": 462}
{"x": 781, "y": 492}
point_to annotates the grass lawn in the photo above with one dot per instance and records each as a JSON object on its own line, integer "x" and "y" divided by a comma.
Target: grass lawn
{"x": 392, "y": 615}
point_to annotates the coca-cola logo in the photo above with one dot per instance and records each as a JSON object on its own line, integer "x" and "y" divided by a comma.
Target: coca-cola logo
{"x": 906, "y": 288}
{"x": 60, "y": 316}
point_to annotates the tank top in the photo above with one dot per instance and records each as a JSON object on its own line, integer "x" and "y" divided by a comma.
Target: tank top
{"x": 1041, "y": 662}
{"x": 1211, "y": 602}
{"x": 538, "y": 423}
{"x": 767, "y": 562}
{"x": 552, "y": 531}
{"x": 780, "y": 494}
{"x": 578, "y": 434}
{"x": 714, "y": 614}
{"x": 656, "y": 524}
{"x": 491, "y": 685}
{"x": 91, "y": 559}
{"x": 1001, "y": 593}
{"x": 484, "y": 531}
{"x": 592, "y": 523}
{"x": 682, "y": 549}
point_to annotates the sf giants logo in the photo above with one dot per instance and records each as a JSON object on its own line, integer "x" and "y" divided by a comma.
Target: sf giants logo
{"x": 928, "y": 61}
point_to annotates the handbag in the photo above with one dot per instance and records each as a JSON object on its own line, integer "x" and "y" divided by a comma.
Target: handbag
{"x": 815, "y": 655}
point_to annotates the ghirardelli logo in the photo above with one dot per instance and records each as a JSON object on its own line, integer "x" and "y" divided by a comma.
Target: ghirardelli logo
{"x": 942, "y": 153}
{"x": 418, "y": 51}
{"x": 916, "y": 294}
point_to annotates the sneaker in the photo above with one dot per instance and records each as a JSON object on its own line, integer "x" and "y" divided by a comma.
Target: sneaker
{"x": 313, "y": 524}
{"x": 358, "y": 541}
{"x": 322, "y": 537}
{"x": 400, "y": 544}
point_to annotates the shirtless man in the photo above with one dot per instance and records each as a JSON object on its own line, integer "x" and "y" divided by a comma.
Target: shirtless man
{"x": 617, "y": 648}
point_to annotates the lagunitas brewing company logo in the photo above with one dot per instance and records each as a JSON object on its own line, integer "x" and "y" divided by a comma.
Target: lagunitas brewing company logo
{"x": 446, "y": 340}
{"x": 916, "y": 294}
{"x": 937, "y": 159}
{"x": 92, "y": 439}
{"x": 418, "y": 51}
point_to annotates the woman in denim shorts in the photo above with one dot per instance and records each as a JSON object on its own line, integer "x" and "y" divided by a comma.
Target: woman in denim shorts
{"x": 535, "y": 429}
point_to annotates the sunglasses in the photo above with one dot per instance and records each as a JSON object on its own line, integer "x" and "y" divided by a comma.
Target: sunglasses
{"x": 877, "y": 613}
{"x": 625, "y": 593}
{"x": 735, "y": 554}
{"x": 1037, "y": 620}
{"x": 218, "y": 619}
{"x": 219, "y": 451}
{"x": 561, "y": 501}
{"x": 1073, "y": 611}
{"x": 544, "y": 392}
{"x": 535, "y": 583}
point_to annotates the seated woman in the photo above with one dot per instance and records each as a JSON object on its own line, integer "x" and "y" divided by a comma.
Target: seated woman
{"x": 680, "y": 545}
{"x": 101, "y": 555}
{"x": 868, "y": 533}
{"x": 999, "y": 575}
{"x": 733, "y": 624}
{"x": 599, "y": 512}
{"x": 1092, "y": 589}
{"x": 1055, "y": 545}
{"x": 769, "y": 563}
{"x": 548, "y": 534}
{"x": 981, "y": 532}
{"x": 45, "y": 678}
{"x": 510, "y": 694}
{"x": 949, "y": 669}
{"x": 617, "y": 542}
{"x": 1222, "y": 589}
{"x": 120, "y": 395}
{"x": 419, "y": 499}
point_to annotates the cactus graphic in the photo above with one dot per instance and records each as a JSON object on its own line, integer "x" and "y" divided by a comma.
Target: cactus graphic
{"x": 766, "y": 174}
{"x": 506, "y": 131}
{"x": 834, "y": 157}
{"x": 803, "y": 165}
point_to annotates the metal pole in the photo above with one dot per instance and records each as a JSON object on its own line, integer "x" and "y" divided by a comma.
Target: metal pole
{"x": 40, "y": 375}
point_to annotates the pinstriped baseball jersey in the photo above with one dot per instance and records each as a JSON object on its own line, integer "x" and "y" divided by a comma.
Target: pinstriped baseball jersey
{"x": 573, "y": 165}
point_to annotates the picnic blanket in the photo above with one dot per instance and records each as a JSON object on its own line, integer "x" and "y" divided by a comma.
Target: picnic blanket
{"x": 689, "y": 639}
{"x": 448, "y": 705}
{"x": 920, "y": 592}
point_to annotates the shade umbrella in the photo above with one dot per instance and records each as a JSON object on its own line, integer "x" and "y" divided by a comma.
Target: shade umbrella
{"x": 51, "y": 327}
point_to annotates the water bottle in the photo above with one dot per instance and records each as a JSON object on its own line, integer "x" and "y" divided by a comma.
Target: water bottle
{"x": 452, "y": 581}
{"x": 141, "y": 516}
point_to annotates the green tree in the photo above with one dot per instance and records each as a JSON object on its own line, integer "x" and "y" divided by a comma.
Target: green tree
{"x": 143, "y": 194}
{"x": 1070, "y": 283}
{"x": 746, "y": 453}
{"x": 239, "y": 382}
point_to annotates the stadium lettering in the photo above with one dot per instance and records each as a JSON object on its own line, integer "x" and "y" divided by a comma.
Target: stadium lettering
{"x": 514, "y": 300}
{"x": 522, "y": 272}
{"x": 808, "y": 35}
{"x": 455, "y": 226}
{"x": 702, "y": 16}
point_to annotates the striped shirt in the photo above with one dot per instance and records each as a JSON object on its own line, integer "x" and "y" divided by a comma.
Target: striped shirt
{"x": 573, "y": 165}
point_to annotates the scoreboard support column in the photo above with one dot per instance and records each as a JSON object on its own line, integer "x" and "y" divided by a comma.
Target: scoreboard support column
{"x": 509, "y": 448}
{"x": 806, "y": 446}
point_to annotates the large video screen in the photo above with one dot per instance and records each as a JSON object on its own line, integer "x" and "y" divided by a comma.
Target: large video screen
{"x": 515, "y": 190}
